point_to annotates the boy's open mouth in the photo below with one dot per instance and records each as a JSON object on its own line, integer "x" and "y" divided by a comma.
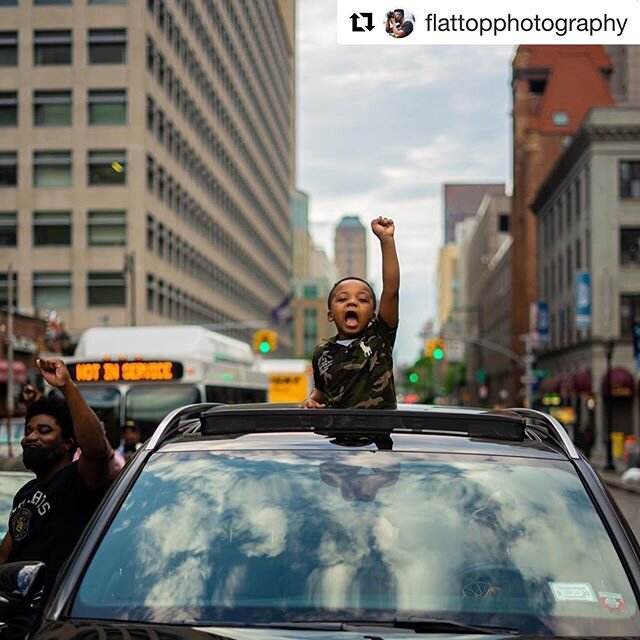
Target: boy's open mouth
{"x": 351, "y": 319}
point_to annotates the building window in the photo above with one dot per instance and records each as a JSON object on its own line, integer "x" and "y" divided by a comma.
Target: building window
{"x": 503, "y": 223}
{"x": 4, "y": 290}
{"x": 629, "y": 178}
{"x": 8, "y": 48}
{"x": 560, "y": 118}
{"x": 8, "y": 109}
{"x": 107, "y": 46}
{"x": 48, "y": 2}
{"x": 630, "y": 246}
{"x": 52, "y": 47}
{"x": 107, "y": 1}
{"x": 310, "y": 291}
{"x": 106, "y": 289}
{"x": 107, "y": 228}
{"x": 52, "y": 228}
{"x": 52, "y": 290}
{"x": 8, "y": 169}
{"x": 151, "y": 113}
{"x": 52, "y": 169}
{"x": 108, "y": 106}
{"x": 150, "y": 173}
{"x": 52, "y": 108}
{"x": 8, "y": 3}
{"x": 151, "y": 233}
{"x": 151, "y": 293}
{"x": 629, "y": 313}
{"x": 108, "y": 167}
{"x": 8, "y": 229}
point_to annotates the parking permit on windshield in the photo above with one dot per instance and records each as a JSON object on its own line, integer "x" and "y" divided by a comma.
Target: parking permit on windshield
{"x": 573, "y": 592}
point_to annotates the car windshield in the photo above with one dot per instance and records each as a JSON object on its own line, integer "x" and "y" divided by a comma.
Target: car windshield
{"x": 279, "y": 536}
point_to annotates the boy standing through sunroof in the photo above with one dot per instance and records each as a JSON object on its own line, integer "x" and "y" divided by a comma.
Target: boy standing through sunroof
{"x": 354, "y": 369}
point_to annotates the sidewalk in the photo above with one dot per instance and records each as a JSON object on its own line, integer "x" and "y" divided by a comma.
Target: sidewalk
{"x": 613, "y": 478}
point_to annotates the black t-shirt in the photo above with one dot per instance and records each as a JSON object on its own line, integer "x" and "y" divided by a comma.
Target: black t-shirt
{"x": 407, "y": 27}
{"x": 47, "y": 519}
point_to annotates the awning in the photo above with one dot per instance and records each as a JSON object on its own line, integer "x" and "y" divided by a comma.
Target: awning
{"x": 622, "y": 383}
{"x": 582, "y": 381}
{"x": 19, "y": 371}
{"x": 550, "y": 384}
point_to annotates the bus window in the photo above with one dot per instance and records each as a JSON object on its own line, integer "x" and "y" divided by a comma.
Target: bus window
{"x": 105, "y": 401}
{"x": 147, "y": 405}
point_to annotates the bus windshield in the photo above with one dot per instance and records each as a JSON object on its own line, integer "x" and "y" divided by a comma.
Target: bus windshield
{"x": 147, "y": 405}
{"x": 105, "y": 401}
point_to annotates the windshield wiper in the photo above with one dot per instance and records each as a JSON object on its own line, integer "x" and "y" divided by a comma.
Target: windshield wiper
{"x": 416, "y": 624}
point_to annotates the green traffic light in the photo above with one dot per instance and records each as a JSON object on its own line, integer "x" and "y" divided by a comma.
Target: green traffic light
{"x": 413, "y": 378}
{"x": 438, "y": 354}
{"x": 264, "y": 347}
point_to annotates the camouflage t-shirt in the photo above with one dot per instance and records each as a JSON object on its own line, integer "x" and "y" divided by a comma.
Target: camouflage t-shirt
{"x": 360, "y": 375}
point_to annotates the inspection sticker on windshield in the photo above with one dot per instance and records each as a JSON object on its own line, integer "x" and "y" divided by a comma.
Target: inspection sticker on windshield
{"x": 573, "y": 592}
{"x": 611, "y": 601}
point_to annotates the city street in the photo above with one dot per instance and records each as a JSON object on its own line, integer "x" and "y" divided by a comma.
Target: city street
{"x": 629, "y": 502}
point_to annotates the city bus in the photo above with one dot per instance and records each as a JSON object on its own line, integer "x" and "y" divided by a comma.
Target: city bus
{"x": 139, "y": 374}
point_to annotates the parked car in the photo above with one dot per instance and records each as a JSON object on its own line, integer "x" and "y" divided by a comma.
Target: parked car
{"x": 269, "y": 521}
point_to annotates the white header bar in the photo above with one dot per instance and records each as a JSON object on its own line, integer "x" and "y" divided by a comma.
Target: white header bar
{"x": 451, "y": 22}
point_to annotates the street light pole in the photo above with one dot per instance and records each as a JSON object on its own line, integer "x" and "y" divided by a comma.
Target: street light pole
{"x": 609, "y": 406}
{"x": 130, "y": 274}
{"x": 10, "y": 386}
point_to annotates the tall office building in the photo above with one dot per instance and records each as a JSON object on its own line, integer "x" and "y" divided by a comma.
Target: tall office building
{"x": 461, "y": 201}
{"x": 351, "y": 248}
{"x": 147, "y": 158}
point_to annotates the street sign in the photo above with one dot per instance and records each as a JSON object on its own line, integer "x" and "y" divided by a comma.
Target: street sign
{"x": 528, "y": 379}
{"x": 583, "y": 300}
{"x": 635, "y": 334}
{"x": 542, "y": 321}
{"x": 540, "y": 373}
{"x": 455, "y": 351}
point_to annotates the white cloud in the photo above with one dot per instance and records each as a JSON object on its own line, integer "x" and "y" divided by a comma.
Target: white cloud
{"x": 380, "y": 129}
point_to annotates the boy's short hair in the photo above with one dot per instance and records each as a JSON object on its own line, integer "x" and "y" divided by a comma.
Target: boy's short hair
{"x": 56, "y": 408}
{"x": 333, "y": 290}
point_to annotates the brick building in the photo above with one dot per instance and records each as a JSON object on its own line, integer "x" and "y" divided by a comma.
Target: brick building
{"x": 553, "y": 89}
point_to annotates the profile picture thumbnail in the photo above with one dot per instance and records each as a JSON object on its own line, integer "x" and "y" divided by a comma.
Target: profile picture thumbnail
{"x": 399, "y": 23}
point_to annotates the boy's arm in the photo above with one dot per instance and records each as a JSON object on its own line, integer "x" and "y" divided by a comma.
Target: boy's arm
{"x": 316, "y": 399}
{"x": 384, "y": 230}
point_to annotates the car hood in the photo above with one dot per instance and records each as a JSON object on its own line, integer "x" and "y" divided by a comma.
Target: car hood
{"x": 98, "y": 630}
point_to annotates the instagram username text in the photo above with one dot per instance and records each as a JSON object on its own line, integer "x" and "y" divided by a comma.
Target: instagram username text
{"x": 494, "y": 26}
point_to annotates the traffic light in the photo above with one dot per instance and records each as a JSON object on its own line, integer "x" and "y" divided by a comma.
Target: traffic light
{"x": 434, "y": 348}
{"x": 413, "y": 377}
{"x": 265, "y": 341}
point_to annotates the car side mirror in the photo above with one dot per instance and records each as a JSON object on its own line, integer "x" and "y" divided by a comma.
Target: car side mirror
{"x": 21, "y": 585}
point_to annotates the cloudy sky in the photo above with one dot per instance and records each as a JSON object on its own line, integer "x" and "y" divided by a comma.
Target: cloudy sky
{"x": 380, "y": 129}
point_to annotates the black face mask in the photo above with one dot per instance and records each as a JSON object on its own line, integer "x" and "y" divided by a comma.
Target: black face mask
{"x": 41, "y": 459}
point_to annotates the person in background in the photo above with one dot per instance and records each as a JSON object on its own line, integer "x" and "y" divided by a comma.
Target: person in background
{"x": 50, "y": 512}
{"x": 131, "y": 440}
{"x": 116, "y": 461}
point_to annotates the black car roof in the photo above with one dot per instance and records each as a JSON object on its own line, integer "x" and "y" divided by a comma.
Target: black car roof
{"x": 519, "y": 432}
